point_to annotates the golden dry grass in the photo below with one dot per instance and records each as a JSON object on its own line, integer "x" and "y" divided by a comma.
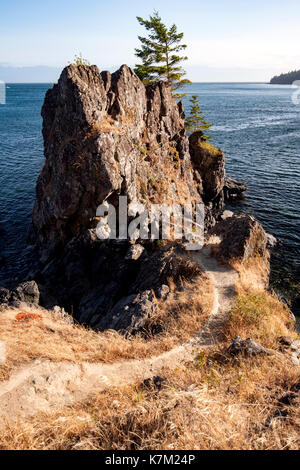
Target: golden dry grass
{"x": 254, "y": 273}
{"x": 214, "y": 403}
{"x": 49, "y": 337}
{"x": 257, "y": 312}
{"x": 209, "y": 147}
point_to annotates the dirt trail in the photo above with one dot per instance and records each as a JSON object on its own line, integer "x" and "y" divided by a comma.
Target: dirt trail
{"x": 48, "y": 386}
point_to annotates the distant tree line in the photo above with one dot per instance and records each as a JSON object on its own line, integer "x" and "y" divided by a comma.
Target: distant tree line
{"x": 286, "y": 78}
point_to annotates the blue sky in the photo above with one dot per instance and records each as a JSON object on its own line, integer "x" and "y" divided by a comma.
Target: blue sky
{"x": 228, "y": 40}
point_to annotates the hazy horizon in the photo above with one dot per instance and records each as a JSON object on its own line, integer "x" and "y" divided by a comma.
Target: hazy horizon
{"x": 228, "y": 41}
{"x": 46, "y": 75}
{"x": 37, "y": 75}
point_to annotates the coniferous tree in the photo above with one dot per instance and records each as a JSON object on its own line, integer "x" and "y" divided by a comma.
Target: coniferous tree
{"x": 196, "y": 121}
{"x": 159, "y": 54}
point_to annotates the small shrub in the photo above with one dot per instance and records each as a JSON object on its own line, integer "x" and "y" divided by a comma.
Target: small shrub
{"x": 79, "y": 60}
{"x": 249, "y": 309}
{"x": 209, "y": 148}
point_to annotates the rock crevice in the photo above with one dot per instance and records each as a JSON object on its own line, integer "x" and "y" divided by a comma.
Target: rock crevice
{"x": 107, "y": 135}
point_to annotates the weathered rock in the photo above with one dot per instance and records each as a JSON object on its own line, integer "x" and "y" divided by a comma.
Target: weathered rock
{"x": 154, "y": 383}
{"x": 98, "y": 282}
{"x": 246, "y": 347}
{"x": 208, "y": 166}
{"x": 5, "y": 295}
{"x": 163, "y": 292}
{"x": 242, "y": 238}
{"x": 28, "y": 293}
{"x": 61, "y": 313}
{"x": 233, "y": 189}
{"x": 130, "y": 314}
{"x": 104, "y": 136}
{"x": 227, "y": 215}
{"x": 271, "y": 241}
{"x": 135, "y": 252}
{"x": 107, "y": 135}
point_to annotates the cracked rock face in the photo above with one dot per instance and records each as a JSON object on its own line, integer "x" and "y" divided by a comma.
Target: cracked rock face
{"x": 107, "y": 135}
{"x": 104, "y": 136}
{"x": 210, "y": 167}
{"x": 26, "y": 293}
{"x": 242, "y": 238}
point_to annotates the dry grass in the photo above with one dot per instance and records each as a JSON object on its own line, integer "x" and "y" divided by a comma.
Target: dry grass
{"x": 49, "y": 337}
{"x": 214, "y": 403}
{"x": 105, "y": 126}
{"x": 258, "y": 313}
{"x": 254, "y": 273}
{"x": 209, "y": 147}
{"x": 261, "y": 316}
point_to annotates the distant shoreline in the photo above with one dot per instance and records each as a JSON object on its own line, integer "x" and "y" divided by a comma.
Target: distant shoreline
{"x": 194, "y": 83}
{"x": 286, "y": 78}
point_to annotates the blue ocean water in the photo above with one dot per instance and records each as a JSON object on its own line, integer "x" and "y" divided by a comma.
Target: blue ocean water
{"x": 258, "y": 128}
{"x": 256, "y": 125}
{"x": 21, "y": 159}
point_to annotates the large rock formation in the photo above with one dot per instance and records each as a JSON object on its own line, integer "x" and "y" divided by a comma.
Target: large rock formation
{"x": 106, "y": 136}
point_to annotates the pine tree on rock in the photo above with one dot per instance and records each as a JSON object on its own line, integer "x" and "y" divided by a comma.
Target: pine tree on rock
{"x": 196, "y": 121}
{"x": 159, "y": 54}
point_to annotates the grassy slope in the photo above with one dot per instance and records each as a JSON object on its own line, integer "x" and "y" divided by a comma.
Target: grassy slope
{"x": 215, "y": 402}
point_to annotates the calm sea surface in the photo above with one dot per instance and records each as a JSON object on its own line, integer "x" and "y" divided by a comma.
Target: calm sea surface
{"x": 256, "y": 125}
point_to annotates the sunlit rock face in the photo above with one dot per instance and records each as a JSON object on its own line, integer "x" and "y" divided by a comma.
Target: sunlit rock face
{"x": 104, "y": 136}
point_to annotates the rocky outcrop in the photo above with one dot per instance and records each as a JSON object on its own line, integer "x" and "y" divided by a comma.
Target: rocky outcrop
{"x": 104, "y": 136}
{"x": 26, "y": 293}
{"x": 209, "y": 167}
{"x": 242, "y": 237}
{"x": 209, "y": 173}
{"x": 234, "y": 190}
{"x": 246, "y": 347}
{"x": 107, "y": 135}
{"x": 102, "y": 287}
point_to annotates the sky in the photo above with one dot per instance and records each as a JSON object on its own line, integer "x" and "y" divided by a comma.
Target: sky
{"x": 228, "y": 40}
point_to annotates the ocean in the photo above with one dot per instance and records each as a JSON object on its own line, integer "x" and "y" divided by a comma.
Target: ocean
{"x": 256, "y": 125}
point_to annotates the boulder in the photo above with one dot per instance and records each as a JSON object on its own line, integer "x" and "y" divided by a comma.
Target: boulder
{"x": 246, "y": 347}
{"x": 154, "y": 383}
{"x": 135, "y": 252}
{"x": 131, "y": 314}
{"x": 271, "y": 241}
{"x": 233, "y": 189}
{"x": 5, "y": 295}
{"x": 242, "y": 238}
{"x": 227, "y": 215}
{"x": 27, "y": 293}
